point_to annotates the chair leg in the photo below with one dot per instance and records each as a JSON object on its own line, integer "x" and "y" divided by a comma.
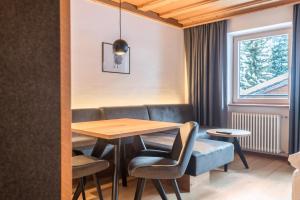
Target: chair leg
{"x": 176, "y": 189}
{"x": 140, "y": 188}
{"x": 82, "y": 188}
{"x": 160, "y": 189}
{"x": 96, "y": 180}
{"x": 77, "y": 192}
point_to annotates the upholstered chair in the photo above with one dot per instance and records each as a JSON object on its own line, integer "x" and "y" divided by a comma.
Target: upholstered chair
{"x": 83, "y": 166}
{"x": 158, "y": 165}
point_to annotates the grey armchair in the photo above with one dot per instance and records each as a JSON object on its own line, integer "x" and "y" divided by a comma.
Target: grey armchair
{"x": 157, "y": 165}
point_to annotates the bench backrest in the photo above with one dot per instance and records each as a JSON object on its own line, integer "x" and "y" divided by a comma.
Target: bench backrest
{"x": 134, "y": 112}
{"x": 85, "y": 114}
{"x": 178, "y": 113}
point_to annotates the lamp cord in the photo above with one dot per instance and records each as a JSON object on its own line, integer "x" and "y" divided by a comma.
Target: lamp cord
{"x": 120, "y": 20}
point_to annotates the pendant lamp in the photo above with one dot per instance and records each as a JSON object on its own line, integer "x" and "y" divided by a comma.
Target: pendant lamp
{"x": 120, "y": 46}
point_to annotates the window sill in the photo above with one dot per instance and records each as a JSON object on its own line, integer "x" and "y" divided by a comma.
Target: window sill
{"x": 259, "y": 105}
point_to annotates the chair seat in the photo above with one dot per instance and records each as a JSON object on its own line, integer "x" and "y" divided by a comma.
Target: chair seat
{"x": 87, "y": 165}
{"x": 153, "y": 168}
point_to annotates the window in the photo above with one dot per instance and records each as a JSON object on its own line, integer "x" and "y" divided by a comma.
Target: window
{"x": 261, "y": 67}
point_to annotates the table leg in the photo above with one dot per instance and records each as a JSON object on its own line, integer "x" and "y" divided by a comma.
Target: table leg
{"x": 225, "y": 167}
{"x": 115, "y": 187}
{"x": 124, "y": 166}
{"x": 239, "y": 151}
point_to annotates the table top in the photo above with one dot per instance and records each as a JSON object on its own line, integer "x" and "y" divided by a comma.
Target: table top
{"x": 233, "y": 132}
{"x": 120, "y": 128}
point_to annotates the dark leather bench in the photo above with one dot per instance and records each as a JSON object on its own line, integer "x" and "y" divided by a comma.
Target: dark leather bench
{"x": 208, "y": 154}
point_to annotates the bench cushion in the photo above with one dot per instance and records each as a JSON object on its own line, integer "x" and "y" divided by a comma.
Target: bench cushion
{"x": 80, "y": 142}
{"x": 207, "y": 155}
{"x": 178, "y": 113}
{"x": 134, "y": 112}
{"x": 202, "y": 134}
{"x": 210, "y": 154}
{"x": 85, "y": 114}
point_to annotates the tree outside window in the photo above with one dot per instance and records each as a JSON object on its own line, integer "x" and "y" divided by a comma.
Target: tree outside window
{"x": 263, "y": 66}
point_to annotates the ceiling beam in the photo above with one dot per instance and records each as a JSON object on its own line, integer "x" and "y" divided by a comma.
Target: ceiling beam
{"x": 155, "y": 4}
{"x": 225, "y": 10}
{"x": 133, "y": 9}
{"x": 228, "y": 15}
{"x": 186, "y": 9}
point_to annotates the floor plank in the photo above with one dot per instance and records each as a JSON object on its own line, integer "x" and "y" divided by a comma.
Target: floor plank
{"x": 267, "y": 179}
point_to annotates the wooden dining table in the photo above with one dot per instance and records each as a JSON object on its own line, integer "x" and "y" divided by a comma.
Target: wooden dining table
{"x": 114, "y": 130}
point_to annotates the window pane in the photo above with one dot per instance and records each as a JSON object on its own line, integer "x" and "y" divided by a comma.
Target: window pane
{"x": 263, "y": 67}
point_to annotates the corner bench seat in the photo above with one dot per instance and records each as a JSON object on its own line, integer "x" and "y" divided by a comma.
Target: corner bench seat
{"x": 207, "y": 155}
{"x": 81, "y": 141}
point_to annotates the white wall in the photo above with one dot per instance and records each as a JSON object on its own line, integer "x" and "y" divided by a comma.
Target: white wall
{"x": 266, "y": 19}
{"x": 157, "y": 59}
{"x": 258, "y": 19}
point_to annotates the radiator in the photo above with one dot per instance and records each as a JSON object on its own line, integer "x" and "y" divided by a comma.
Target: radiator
{"x": 265, "y": 129}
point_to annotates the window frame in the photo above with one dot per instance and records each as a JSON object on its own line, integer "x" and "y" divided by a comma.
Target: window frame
{"x": 235, "y": 85}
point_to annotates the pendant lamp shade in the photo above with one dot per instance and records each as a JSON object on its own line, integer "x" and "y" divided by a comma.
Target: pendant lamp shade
{"x": 120, "y": 46}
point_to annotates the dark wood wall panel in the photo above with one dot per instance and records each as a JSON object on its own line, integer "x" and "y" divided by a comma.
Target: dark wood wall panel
{"x": 30, "y": 113}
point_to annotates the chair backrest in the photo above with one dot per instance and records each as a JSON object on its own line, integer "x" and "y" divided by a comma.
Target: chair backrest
{"x": 183, "y": 145}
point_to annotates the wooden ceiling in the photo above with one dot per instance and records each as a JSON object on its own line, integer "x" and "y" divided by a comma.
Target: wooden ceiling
{"x": 187, "y": 13}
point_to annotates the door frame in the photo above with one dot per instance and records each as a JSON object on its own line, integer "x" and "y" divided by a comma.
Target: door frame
{"x": 65, "y": 95}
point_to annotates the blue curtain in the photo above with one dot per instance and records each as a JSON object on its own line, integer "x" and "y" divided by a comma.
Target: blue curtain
{"x": 295, "y": 85}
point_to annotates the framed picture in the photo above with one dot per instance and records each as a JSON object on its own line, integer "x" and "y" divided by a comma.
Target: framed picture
{"x": 114, "y": 63}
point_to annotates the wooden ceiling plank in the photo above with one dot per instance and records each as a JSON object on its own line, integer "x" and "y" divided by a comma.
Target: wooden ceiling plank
{"x": 186, "y": 9}
{"x": 155, "y": 4}
{"x": 134, "y": 2}
{"x": 175, "y": 5}
{"x": 133, "y": 9}
{"x": 228, "y": 9}
{"x": 228, "y": 15}
{"x": 212, "y": 7}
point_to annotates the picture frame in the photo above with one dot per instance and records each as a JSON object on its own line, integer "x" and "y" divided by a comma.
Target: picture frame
{"x": 112, "y": 63}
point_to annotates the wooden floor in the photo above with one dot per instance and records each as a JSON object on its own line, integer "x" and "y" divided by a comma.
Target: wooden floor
{"x": 267, "y": 179}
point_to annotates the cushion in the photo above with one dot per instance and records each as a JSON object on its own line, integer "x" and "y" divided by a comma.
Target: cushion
{"x": 202, "y": 134}
{"x": 178, "y": 113}
{"x": 82, "y": 143}
{"x": 134, "y": 112}
{"x": 207, "y": 155}
{"x": 85, "y": 114}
